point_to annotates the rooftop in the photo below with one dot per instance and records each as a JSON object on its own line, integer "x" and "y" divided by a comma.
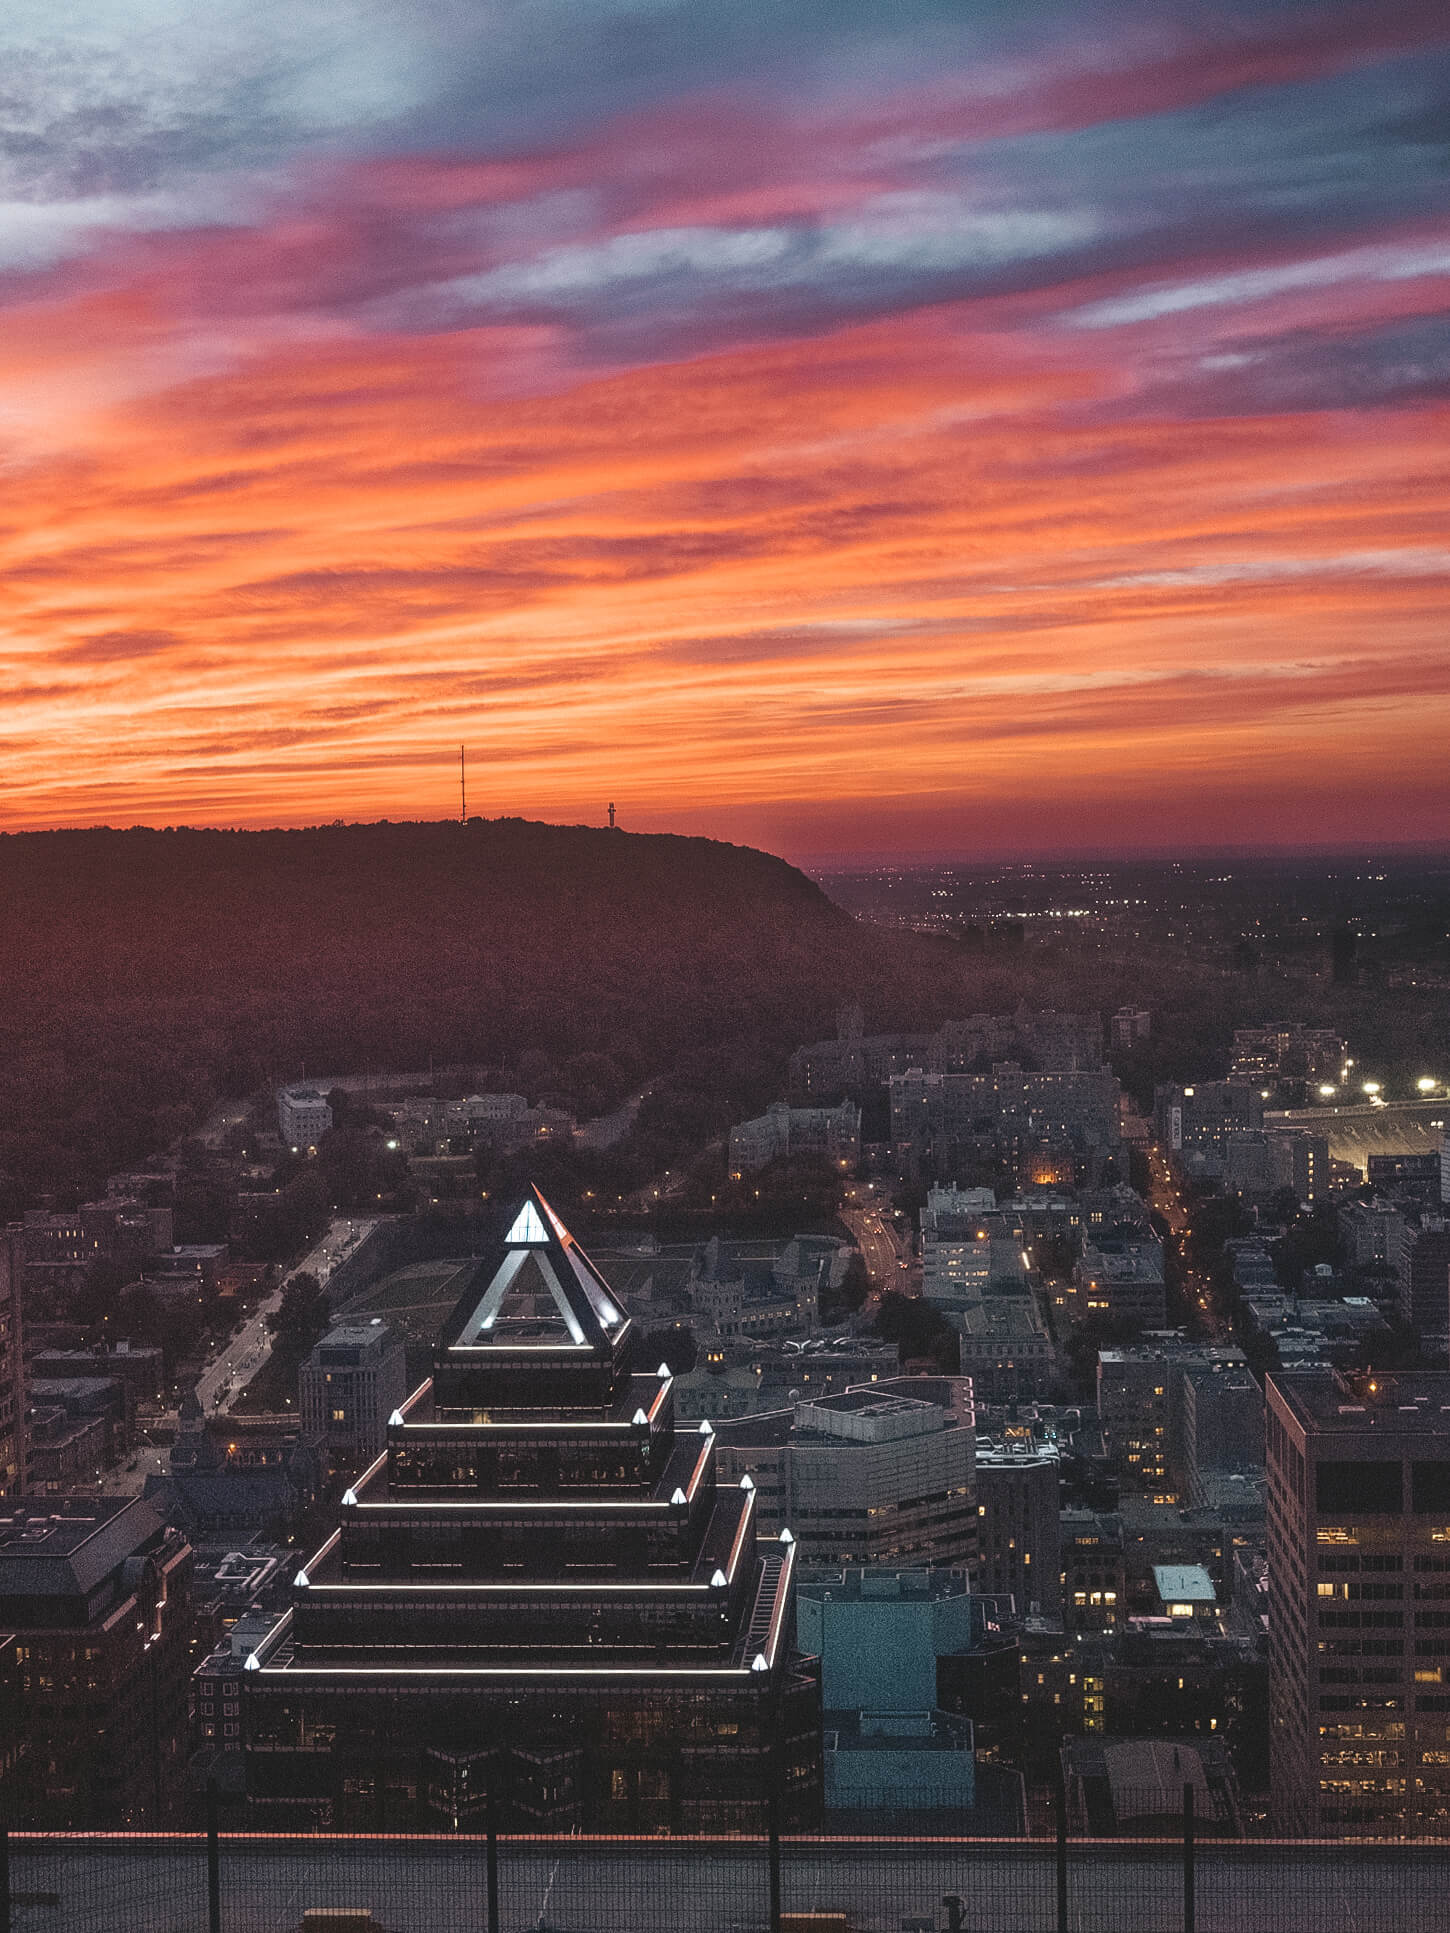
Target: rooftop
{"x": 1415, "y": 1403}
{"x": 65, "y": 1546}
{"x": 1183, "y": 1583}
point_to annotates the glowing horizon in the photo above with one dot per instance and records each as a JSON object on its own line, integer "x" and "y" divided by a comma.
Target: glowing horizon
{"x": 839, "y": 429}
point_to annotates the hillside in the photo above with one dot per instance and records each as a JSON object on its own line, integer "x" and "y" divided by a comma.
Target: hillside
{"x": 146, "y": 973}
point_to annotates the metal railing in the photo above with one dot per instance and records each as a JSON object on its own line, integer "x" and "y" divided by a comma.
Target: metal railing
{"x": 217, "y": 1882}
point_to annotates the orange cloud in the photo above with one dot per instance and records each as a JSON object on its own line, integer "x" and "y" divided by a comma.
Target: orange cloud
{"x": 906, "y": 575}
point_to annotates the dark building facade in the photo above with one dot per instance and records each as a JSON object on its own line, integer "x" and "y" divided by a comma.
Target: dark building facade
{"x": 538, "y": 1599}
{"x": 1359, "y": 1602}
{"x": 97, "y": 1592}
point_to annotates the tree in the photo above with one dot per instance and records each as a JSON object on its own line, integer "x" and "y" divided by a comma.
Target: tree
{"x": 303, "y": 1309}
{"x": 675, "y": 1346}
{"x": 918, "y": 1329}
{"x": 854, "y": 1288}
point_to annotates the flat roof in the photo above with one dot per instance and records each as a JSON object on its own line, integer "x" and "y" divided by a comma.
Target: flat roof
{"x": 1183, "y": 1583}
{"x": 1415, "y": 1403}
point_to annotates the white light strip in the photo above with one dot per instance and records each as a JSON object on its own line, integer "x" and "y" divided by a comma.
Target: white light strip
{"x": 544, "y": 1673}
{"x": 494, "y": 1429}
{"x": 406, "y": 1506}
{"x": 385, "y": 1589}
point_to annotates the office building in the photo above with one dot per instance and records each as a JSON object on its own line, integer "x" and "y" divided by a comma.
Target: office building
{"x": 98, "y": 1593}
{"x": 1413, "y": 1179}
{"x": 1140, "y": 1403}
{"x": 1223, "y": 1428}
{"x": 1094, "y": 1576}
{"x": 1194, "y": 1122}
{"x": 1300, "y": 1163}
{"x": 542, "y": 1595}
{"x": 1004, "y": 1349}
{"x": 880, "y": 1636}
{"x": 1119, "y": 1278}
{"x": 871, "y": 1477}
{"x": 743, "y": 1377}
{"x": 1019, "y": 1526}
{"x": 1359, "y": 1603}
{"x": 348, "y": 1388}
{"x": 1423, "y": 1276}
{"x": 303, "y": 1117}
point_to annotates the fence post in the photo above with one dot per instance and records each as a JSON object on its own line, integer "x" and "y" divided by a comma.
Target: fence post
{"x": 213, "y": 1863}
{"x": 773, "y": 1828}
{"x": 1059, "y": 1802}
{"x": 1189, "y": 1903}
{"x": 4, "y": 1879}
{"x": 491, "y": 1822}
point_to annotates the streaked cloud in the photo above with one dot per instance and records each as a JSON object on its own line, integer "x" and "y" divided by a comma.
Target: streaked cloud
{"x": 790, "y": 411}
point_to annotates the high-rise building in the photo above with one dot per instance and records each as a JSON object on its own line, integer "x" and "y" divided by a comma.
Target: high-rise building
{"x": 1359, "y": 1602}
{"x": 1194, "y": 1122}
{"x": 1423, "y": 1273}
{"x": 1019, "y": 1526}
{"x": 540, "y": 1596}
{"x": 1140, "y": 1402}
{"x": 872, "y": 1477}
{"x": 348, "y": 1387}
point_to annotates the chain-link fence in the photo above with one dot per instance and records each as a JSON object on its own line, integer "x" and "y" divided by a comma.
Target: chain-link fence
{"x": 233, "y": 1883}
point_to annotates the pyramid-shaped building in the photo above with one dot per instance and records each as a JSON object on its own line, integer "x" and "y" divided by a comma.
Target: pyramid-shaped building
{"x": 538, "y": 1600}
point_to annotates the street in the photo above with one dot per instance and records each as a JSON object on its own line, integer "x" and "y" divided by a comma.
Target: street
{"x": 866, "y": 1211}
{"x": 1166, "y": 1199}
{"x": 236, "y": 1364}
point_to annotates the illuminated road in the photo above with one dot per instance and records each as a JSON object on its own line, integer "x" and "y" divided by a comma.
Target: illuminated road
{"x": 652, "y": 1887}
{"x": 244, "y": 1355}
{"x": 1165, "y": 1198}
{"x": 868, "y": 1219}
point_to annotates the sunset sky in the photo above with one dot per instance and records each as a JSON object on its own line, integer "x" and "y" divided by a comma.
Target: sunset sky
{"x": 850, "y": 426}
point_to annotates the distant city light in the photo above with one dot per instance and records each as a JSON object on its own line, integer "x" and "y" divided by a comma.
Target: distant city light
{"x": 1371, "y": 1087}
{"x": 1327, "y": 1091}
{"x": 1427, "y": 1083}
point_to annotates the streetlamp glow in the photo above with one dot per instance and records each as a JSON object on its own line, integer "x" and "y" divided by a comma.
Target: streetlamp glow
{"x": 1327, "y": 1091}
{"x": 1427, "y": 1083}
{"x": 1371, "y": 1087}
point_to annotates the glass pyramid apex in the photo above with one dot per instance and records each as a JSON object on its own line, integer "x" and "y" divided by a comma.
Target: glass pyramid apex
{"x": 528, "y": 1227}
{"x": 536, "y": 1289}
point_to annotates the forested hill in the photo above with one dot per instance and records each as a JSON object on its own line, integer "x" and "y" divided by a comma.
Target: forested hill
{"x": 143, "y": 974}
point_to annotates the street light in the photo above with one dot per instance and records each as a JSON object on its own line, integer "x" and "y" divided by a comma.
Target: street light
{"x": 1427, "y": 1083}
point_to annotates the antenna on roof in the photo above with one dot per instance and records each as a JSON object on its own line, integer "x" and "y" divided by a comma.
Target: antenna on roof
{"x": 462, "y": 789}
{"x": 611, "y": 815}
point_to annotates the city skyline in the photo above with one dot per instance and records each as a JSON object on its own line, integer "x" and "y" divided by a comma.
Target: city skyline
{"x": 837, "y": 428}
